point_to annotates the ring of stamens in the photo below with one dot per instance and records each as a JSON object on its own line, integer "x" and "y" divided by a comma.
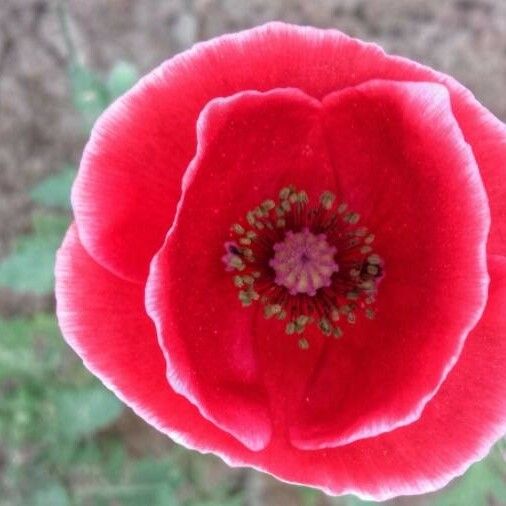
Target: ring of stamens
{"x": 305, "y": 264}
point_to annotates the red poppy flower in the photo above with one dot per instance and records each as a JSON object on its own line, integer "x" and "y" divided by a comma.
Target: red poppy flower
{"x": 282, "y": 252}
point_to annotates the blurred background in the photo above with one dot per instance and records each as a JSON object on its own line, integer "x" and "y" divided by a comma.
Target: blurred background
{"x": 64, "y": 439}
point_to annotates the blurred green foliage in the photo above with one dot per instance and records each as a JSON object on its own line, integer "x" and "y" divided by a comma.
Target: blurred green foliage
{"x": 54, "y": 191}
{"x": 57, "y": 446}
{"x": 59, "y": 438}
{"x": 29, "y": 267}
{"x": 92, "y": 93}
{"x": 43, "y": 419}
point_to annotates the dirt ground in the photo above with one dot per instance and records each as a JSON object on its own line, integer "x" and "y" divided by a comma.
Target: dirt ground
{"x": 40, "y": 130}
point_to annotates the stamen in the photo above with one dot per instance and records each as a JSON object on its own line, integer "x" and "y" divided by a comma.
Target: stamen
{"x": 305, "y": 265}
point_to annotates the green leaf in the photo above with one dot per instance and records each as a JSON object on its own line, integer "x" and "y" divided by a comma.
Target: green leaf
{"x": 164, "y": 495}
{"x": 89, "y": 94}
{"x": 157, "y": 495}
{"x": 29, "y": 348}
{"x": 121, "y": 78}
{"x": 30, "y": 361}
{"x": 150, "y": 470}
{"x": 53, "y": 494}
{"x": 309, "y": 496}
{"x": 29, "y": 268}
{"x": 85, "y": 411}
{"x": 113, "y": 461}
{"x": 229, "y": 501}
{"x": 130, "y": 495}
{"x": 54, "y": 191}
{"x": 483, "y": 481}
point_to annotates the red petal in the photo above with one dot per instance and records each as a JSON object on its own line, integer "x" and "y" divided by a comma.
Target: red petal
{"x": 487, "y": 137}
{"x": 103, "y": 318}
{"x": 404, "y": 166}
{"x": 457, "y": 428}
{"x": 391, "y": 166}
{"x": 246, "y": 154}
{"x": 129, "y": 181}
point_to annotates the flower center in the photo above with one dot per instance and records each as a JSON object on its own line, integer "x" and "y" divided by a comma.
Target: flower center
{"x": 305, "y": 264}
